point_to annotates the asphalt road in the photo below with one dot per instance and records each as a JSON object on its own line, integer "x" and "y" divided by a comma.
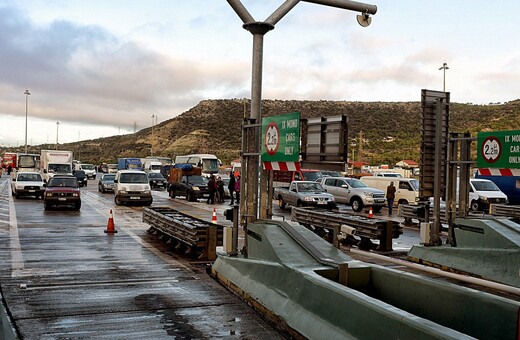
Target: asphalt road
{"x": 62, "y": 277}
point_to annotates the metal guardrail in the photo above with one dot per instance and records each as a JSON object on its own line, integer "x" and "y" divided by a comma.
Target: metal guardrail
{"x": 505, "y": 210}
{"x": 406, "y": 211}
{"x": 366, "y": 228}
{"x": 188, "y": 234}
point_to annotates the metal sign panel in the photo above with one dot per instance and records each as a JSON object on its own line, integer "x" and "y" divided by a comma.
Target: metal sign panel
{"x": 499, "y": 149}
{"x": 324, "y": 143}
{"x": 435, "y": 108}
{"x": 281, "y": 138}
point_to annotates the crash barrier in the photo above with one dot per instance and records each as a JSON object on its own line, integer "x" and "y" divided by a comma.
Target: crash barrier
{"x": 409, "y": 212}
{"x": 341, "y": 227}
{"x": 188, "y": 234}
{"x": 505, "y": 210}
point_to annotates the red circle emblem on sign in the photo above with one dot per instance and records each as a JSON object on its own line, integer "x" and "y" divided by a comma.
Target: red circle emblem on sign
{"x": 491, "y": 149}
{"x": 272, "y": 138}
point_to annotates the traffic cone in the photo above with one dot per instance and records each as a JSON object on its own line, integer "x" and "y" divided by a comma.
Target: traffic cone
{"x": 214, "y": 216}
{"x": 370, "y": 213}
{"x": 110, "y": 226}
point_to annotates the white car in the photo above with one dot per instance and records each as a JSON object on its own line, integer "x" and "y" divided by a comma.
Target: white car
{"x": 132, "y": 186}
{"x": 27, "y": 184}
{"x": 482, "y": 193}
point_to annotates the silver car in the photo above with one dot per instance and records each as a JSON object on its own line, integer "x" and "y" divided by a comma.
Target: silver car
{"x": 353, "y": 192}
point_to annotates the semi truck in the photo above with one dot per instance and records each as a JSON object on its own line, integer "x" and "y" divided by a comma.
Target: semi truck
{"x": 129, "y": 164}
{"x": 54, "y": 162}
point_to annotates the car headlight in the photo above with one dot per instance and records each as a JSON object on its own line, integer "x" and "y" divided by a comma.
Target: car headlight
{"x": 75, "y": 194}
{"x": 122, "y": 191}
{"x": 147, "y": 191}
{"x": 48, "y": 194}
{"x": 483, "y": 198}
{"x": 332, "y": 198}
{"x": 368, "y": 194}
{"x": 308, "y": 198}
{"x": 19, "y": 186}
{"x": 195, "y": 188}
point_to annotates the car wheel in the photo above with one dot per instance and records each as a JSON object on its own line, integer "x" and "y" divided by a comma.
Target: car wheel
{"x": 117, "y": 200}
{"x": 16, "y": 195}
{"x": 281, "y": 203}
{"x": 299, "y": 204}
{"x": 377, "y": 209}
{"x": 99, "y": 188}
{"x": 77, "y": 205}
{"x": 475, "y": 206}
{"x": 46, "y": 205}
{"x": 357, "y": 205}
{"x": 172, "y": 194}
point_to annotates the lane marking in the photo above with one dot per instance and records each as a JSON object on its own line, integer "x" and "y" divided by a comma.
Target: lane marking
{"x": 17, "y": 263}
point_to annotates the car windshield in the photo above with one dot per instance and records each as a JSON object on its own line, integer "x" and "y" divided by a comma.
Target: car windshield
{"x": 356, "y": 183}
{"x": 414, "y": 184}
{"x": 109, "y": 178}
{"x": 485, "y": 186}
{"x": 59, "y": 168}
{"x": 63, "y": 182}
{"x": 155, "y": 175}
{"x": 87, "y": 166}
{"x": 29, "y": 178}
{"x": 201, "y": 180}
{"x": 134, "y": 178}
{"x": 309, "y": 187}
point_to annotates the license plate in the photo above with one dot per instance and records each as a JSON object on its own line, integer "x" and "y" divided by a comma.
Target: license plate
{"x": 380, "y": 201}
{"x": 322, "y": 202}
{"x": 32, "y": 190}
{"x": 134, "y": 198}
{"x": 62, "y": 199}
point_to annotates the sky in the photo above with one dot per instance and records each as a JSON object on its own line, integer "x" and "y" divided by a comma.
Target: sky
{"x": 100, "y": 68}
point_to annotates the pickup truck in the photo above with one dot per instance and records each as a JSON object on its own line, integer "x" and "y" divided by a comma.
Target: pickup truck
{"x": 192, "y": 187}
{"x": 304, "y": 193}
{"x": 355, "y": 193}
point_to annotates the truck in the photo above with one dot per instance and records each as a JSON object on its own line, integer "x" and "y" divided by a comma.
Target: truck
{"x": 54, "y": 162}
{"x": 355, "y": 193}
{"x": 27, "y": 163}
{"x": 304, "y": 193}
{"x": 283, "y": 179}
{"x": 208, "y": 163}
{"x": 9, "y": 158}
{"x": 151, "y": 164}
{"x": 188, "y": 181}
{"x": 507, "y": 180}
{"x": 129, "y": 164}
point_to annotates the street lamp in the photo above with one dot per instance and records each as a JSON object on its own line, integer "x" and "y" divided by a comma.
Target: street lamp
{"x": 27, "y": 94}
{"x": 444, "y": 68}
{"x": 57, "y": 125}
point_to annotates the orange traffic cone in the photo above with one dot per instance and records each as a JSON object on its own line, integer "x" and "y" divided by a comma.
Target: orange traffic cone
{"x": 370, "y": 213}
{"x": 110, "y": 226}
{"x": 214, "y": 216}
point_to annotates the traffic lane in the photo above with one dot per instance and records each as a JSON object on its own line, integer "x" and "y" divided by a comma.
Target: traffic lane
{"x": 76, "y": 279}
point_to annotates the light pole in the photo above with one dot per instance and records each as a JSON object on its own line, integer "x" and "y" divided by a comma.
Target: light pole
{"x": 151, "y": 143}
{"x": 57, "y": 125}
{"x": 444, "y": 68}
{"x": 27, "y": 94}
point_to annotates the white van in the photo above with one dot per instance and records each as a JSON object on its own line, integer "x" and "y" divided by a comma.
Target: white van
{"x": 90, "y": 169}
{"x": 406, "y": 189}
{"x": 483, "y": 193}
{"x": 132, "y": 186}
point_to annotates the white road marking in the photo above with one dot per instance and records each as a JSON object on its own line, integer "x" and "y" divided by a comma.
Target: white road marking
{"x": 17, "y": 264}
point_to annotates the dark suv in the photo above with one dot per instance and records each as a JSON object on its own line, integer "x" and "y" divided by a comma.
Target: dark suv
{"x": 62, "y": 190}
{"x": 81, "y": 176}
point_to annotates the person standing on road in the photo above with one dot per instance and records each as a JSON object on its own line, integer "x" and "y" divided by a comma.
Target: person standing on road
{"x": 237, "y": 189}
{"x": 211, "y": 188}
{"x": 231, "y": 187}
{"x": 220, "y": 189}
{"x": 390, "y": 196}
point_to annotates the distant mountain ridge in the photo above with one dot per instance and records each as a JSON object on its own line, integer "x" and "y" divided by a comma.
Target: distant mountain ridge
{"x": 390, "y": 130}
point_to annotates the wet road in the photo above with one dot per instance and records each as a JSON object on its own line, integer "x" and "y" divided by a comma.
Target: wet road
{"x": 63, "y": 277}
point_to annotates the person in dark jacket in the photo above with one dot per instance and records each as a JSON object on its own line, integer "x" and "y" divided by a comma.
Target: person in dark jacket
{"x": 390, "y": 196}
{"x": 220, "y": 189}
{"x": 212, "y": 189}
{"x": 231, "y": 187}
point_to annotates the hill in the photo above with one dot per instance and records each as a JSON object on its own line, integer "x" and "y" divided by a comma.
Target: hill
{"x": 390, "y": 130}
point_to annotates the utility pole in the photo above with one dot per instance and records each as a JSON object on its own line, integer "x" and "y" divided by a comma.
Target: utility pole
{"x": 57, "y": 125}
{"x": 151, "y": 143}
{"x": 27, "y": 94}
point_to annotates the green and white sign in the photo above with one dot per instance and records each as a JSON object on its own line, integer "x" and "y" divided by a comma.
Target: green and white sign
{"x": 499, "y": 149}
{"x": 281, "y": 138}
